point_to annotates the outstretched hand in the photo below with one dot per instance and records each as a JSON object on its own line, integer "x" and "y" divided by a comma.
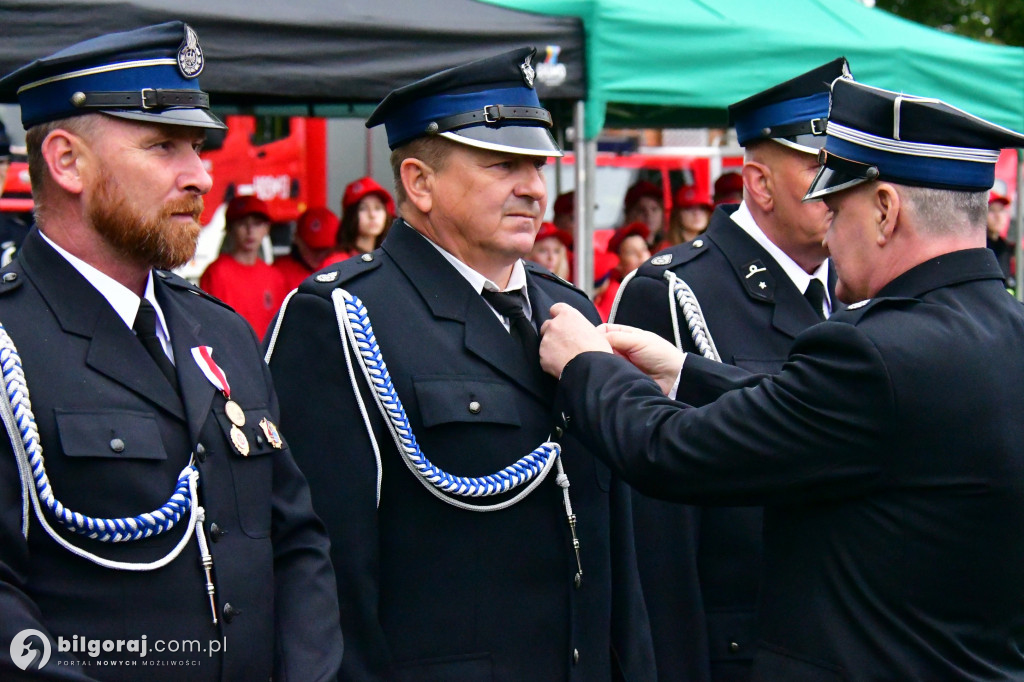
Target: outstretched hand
{"x": 566, "y": 335}
{"x": 651, "y": 354}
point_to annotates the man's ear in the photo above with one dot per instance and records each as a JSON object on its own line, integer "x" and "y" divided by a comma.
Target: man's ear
{"x": 64, "y": 154}
{"x": 418, "y": 181}
{"x": 757, "y": 185}
{"x": 887, "y": 210}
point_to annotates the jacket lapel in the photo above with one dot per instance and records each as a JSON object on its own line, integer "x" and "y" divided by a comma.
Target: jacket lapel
{"x": 81, "y": 310}
{"x": 450, "y": 296}
{"x": 196, "y": 389}
{"x": 763, "y": 278}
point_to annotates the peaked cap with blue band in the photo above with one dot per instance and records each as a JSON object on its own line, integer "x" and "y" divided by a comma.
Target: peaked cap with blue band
{"x": 149, "y": 74}
{"x": 793, "y": 113}
{"x": 489, "y": 103}
{"x": 876, "y": 134}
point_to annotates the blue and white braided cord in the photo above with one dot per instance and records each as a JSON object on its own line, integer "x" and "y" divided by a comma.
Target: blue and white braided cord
{"x": 355, "y": 328}
{"x": 104, "y": 530}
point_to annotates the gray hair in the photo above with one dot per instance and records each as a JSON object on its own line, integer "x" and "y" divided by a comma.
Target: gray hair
{"x": 941, "y": 211}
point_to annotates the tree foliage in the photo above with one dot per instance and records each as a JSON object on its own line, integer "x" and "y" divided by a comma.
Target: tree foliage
{"x": 996, "y": 21}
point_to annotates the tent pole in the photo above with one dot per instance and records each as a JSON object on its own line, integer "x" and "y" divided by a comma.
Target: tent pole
{"x": 1018, "y": 214}
{"x": 583, "y": 209}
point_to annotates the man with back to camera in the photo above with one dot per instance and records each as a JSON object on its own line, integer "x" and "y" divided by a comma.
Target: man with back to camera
{"x": 893, "y": 515}
{"x": 433, "y": 585}
{"x": 188, "y": 529}
{"x": 760, "y": 276}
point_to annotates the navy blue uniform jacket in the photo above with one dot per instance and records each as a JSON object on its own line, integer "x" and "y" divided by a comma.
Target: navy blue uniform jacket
{"x": 700, "y": 567}
{"x": 887, "y": 454}
{"x": 429, "y": 591}
{"x": 115, "y": 436}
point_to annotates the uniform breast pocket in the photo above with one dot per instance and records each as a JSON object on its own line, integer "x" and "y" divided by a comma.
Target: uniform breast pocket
{"x": 455, "y": 399}
{"x": 117, "y": 434}
{"x": 251, "y": 446}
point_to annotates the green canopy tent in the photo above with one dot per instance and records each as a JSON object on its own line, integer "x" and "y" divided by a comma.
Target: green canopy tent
{"x": 680, "y": 63}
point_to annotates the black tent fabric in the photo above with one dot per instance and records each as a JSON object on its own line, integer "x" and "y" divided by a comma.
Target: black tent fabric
{"x": 311, "y": 52}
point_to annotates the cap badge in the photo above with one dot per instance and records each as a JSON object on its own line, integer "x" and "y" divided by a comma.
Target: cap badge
{"x": 190, "y": 55}
{"x": 528, "y": 72}
{"x": 662, "y": 260}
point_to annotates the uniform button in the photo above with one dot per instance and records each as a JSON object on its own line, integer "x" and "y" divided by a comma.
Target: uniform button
{"x": 558, "y": 432}
{"x": 259, "y": 439}
{"x": 10, "y": 276}
{"x": 216, "y": 532}
{"x": 230, "y": 612}
{"x": 697, "y": 243}
{"x": 575, "y": 656}
{"x": 475, "y": 407}
{"x": 367, "y": 257}
{"x": 200, "y": 452}
{"x": 117, "y": 445}
{"x": 734, "y": 647}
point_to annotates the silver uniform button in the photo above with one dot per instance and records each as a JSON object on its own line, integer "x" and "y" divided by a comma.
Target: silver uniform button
{"x": 697, "y": 243}
{"x": 367, "y": 257}
{"x": 475, "y": 407}
{"x": 117, "y": 445}
{"x": 575, "y": 656}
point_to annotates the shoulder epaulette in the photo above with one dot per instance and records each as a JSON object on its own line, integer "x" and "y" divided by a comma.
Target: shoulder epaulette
{"x": 541, "y": 271}
{"x": 324, "y": 281}
{"x": 178, "y": 282}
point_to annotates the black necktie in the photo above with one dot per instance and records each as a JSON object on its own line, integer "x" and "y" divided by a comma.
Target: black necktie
{"x": 815, "y": 295}
{"x": 510, "y": 304}
{"x": 145, "y": 329}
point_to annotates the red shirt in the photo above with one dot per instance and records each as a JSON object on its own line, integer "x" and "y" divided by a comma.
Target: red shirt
{"x": 254, "y": 291}
{"x": 292, "y": 270}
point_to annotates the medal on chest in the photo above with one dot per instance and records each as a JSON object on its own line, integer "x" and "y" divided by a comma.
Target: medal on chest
{"x": 236, "y": 415}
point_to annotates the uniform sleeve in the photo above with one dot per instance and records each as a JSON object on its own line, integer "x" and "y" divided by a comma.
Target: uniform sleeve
{"x": 307, "y": 631}
{"x": 322, "y": 424}
{"x": 809, "y": 432}
{"x": 19, "y": 611}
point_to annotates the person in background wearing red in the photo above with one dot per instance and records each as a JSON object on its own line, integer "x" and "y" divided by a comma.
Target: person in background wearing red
{"x": 630, "y": 244}
{"x": 239, "y": 277}
{"x": 645, "y": 204}
{"x": 367, "y": 211}
{"x": 998, "y": 216}
{"x": 728, "y": 189}
{"x": 691, "y": 212}
{"x": 552, "y": 248}
{"x": 312, "y": 245}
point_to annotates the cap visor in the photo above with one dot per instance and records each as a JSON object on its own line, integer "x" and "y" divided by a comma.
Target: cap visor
{"x": 803, "y": 143}
{"x": 193, "y": 118}
{"x": 528, "y": 140}
{"x": 830, "y": 181}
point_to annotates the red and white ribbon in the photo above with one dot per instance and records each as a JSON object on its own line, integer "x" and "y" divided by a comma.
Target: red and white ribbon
{"x": 213, "y": 372}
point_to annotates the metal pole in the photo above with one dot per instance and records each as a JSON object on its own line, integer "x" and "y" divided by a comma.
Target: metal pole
{"x": 1018, "y": 214}
{"x": 583, "y": 234}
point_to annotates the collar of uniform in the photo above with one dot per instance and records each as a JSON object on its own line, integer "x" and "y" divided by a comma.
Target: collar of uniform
{"x": 742, "y": 217}
{"x": 122, "y": 299}
{"x": 516, "y": 282}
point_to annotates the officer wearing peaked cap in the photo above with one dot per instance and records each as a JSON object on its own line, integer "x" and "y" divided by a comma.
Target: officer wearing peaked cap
{"x": 886, "y": 451}
{"x": 170, "y": 509}
{"x": 465, "y": 547}
{"x": 747, "y": 274}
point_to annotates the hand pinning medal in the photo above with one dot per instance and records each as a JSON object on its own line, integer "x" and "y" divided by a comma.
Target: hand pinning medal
{"x": 236, "y": 415}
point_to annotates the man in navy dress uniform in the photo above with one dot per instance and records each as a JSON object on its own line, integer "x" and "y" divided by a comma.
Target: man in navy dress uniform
{"x": 153, "y": 524}
{"x": 432, "y": 585}
{"x": 887, "y": 450}
{"x": 748, "y": 273}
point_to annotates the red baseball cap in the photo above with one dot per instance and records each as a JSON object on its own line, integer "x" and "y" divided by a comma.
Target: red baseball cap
{"x": 356, "y": 190}
{"x": 247, "y": 205}
{"x": 640, "y": 190}
{"x": 549, "y": 230}
{"x": 620, "y": 235}
{"x": 728, "y": 184}
{"x": 318, "y": 228}
{"x": 689, "y": 196}
{"x": 565, "y": 204}
{"x": 996, "y": 197}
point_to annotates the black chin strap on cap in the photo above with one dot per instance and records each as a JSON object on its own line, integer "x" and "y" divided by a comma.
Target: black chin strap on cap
{"x": 493, "y": 114}
{"x": 147, "y": 98}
